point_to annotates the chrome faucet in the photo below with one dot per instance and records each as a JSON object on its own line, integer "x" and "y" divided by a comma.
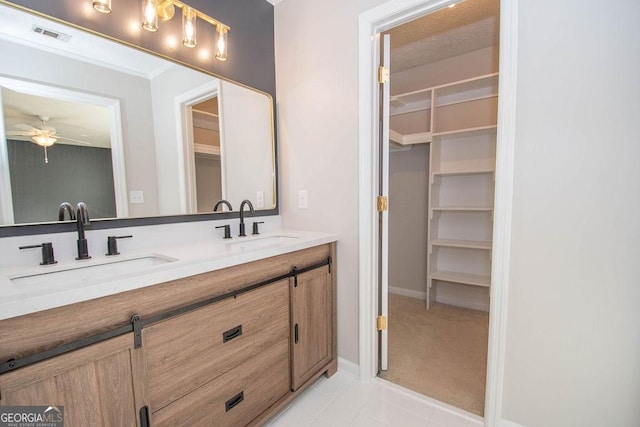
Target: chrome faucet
{"x": 244, "y": 202}
{"x": 66, "y": 207}
{"x": 82, "y": 215}
{"x": 222, "y": 202}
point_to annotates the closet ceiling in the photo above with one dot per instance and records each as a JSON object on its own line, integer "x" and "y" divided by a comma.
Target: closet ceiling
{"x": 469, "y": 26}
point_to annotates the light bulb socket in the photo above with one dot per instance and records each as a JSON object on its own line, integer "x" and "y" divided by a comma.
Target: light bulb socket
{"x": 102, "y": 6}
{"x": 150, "y": 15}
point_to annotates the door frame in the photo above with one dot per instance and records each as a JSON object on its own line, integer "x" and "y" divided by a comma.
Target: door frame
{"x": 388, "y": 15}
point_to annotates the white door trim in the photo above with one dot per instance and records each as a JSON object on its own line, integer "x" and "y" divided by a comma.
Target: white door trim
{"x": 386, "y": 16}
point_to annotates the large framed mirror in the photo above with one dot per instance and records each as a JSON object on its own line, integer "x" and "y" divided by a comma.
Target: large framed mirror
{"x": 140, "y": 139}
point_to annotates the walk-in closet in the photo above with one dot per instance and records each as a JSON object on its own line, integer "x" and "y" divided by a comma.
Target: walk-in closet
{"x": 442, "y": 127}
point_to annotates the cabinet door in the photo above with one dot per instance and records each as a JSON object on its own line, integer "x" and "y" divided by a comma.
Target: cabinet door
{"x": 312, "y": 334}
{"x": 99, "y": 385}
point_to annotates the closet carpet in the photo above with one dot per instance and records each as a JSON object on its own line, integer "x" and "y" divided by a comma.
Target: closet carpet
{"x": 441, "y": 352}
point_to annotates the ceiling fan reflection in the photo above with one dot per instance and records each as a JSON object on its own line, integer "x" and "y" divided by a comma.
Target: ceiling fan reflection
{"x": 44, "y": 137}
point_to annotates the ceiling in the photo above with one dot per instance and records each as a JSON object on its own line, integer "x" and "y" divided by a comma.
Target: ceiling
{"x": 80, "y": 121}
{"x": 74, "y": 120}
{"x": 452, "y": 31}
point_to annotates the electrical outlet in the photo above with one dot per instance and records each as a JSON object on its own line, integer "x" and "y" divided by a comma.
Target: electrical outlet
{"x": 136, "y": 197}
{"x": 260, "y": 199}
{"x": 303, "y": 199}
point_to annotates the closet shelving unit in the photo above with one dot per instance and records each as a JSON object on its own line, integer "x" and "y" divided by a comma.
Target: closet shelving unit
{"x": 206, "y": 120}
{"x": 459, "y": 120}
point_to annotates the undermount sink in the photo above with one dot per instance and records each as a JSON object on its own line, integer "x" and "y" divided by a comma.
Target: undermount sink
{"x": 73, "y": 275}
{"x": 261, "y": 242}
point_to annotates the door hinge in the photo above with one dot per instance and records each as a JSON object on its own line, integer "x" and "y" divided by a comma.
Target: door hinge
{"x": 383, "y": 74}
{"x": 381, "y": 323}
{"x": 383, "y": 203}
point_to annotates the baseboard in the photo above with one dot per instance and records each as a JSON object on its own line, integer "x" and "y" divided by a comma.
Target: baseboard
{"x": 507, "y": 423}
{"x": 348, "y": 367}
{"x": 462, "y": 303}
{"x": 407, "y": 293}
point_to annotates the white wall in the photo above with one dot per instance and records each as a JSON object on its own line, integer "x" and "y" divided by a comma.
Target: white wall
{"x": 165, "y": 87}
{"x": 408, "y": 201}
{"x": 317, "y": 101}
{"x": 133, "y": 93}
{"x": 573, "y": 347}
{"x": 574, "y": 326}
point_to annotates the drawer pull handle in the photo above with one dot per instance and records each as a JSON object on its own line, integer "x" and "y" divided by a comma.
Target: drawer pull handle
{"x": 232, "y": 333}
{"x": 295, "y": 333}
{"x": 231, "y": 403}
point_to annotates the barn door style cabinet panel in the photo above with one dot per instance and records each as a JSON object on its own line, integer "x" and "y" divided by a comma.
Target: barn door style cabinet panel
{"x": 225, "y": 348}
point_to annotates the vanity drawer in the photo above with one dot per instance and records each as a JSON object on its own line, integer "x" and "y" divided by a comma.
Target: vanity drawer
{"x": 235, "y": 398}
{"x": 192, "y": 349}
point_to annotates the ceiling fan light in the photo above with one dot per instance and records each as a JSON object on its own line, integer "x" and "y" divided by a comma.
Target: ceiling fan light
{"x": 44, "y": 140}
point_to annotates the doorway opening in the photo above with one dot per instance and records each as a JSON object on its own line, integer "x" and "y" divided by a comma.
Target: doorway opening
{"x": 442, "y": 131}
{"x": 371, "y": 24}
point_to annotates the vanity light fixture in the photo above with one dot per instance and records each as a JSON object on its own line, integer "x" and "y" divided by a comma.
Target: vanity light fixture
{"x": 189, "y": 27}
{"x": 221, "y": 44}
{"x": 150, "y": 15}
{"x": 165, "y": 10}
{"x": 102, "y": 6}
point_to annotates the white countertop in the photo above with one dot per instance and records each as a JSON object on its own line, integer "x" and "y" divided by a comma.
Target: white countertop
{"x": 187, "y": 260}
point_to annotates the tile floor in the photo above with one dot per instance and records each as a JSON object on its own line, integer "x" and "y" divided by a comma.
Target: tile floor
{"x": 344, "y": 401}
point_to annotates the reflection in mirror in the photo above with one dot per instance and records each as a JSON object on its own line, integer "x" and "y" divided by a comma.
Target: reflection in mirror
{"x": 135, "y": 135}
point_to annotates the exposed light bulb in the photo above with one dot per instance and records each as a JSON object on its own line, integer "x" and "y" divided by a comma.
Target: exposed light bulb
{"x": 102, "y": 6}
{"x": 221, "y": 44}
{"x": 150, "y": 15}
{"x": 189, "y": 27}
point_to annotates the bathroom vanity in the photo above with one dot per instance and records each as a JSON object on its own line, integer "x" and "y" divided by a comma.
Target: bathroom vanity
{"x": 226, "y": 337}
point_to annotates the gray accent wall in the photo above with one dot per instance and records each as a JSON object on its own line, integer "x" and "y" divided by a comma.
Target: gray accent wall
{"x": 38, "y": 188}
{"x": 250, "y": 44}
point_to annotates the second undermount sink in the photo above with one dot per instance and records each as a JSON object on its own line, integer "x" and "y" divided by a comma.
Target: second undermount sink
{"x": 85, "y": 274}
{"x": 261, "y": 242}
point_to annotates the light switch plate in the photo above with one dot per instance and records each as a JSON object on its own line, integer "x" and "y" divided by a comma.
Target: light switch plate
{"x": 303, "y": 199}
{"x": 136, "y": 197}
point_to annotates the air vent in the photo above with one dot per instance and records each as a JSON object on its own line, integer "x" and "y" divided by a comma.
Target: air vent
{"x": 51, "y": 33}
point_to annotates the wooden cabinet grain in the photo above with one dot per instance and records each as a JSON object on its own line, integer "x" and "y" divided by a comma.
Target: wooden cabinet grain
{"x": 311, "y": 320}
{"x": 99, "y": 385}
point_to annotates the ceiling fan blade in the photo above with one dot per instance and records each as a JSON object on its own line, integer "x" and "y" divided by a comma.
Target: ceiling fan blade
{"x": 71, "y": 139}
{"x": 16, "y": 133}
{"x": 27, "y": 127}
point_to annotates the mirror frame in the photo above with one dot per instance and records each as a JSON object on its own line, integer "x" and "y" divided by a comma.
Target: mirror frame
{"x": 102, "y": 224}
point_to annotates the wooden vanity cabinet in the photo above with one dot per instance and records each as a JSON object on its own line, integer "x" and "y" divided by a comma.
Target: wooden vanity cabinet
{"x": 226, "y": 348}
{"x": 99, "y": 385}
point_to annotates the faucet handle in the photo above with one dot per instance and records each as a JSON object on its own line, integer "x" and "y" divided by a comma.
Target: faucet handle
{"x": 227, "y": 230}
{"x": 47, "y": 252}
{"x": 255, "y": 227}
{"x": 112, "y": 244}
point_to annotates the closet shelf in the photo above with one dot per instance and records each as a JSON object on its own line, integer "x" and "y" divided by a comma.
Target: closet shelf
{"x": 206, "y": 150}
{"x": 469, "y": 244}
{"x": 463, "y": 209}
{"x": 468, "y": 132}
{"x": 463, "y": 278}
{"x": 464, "y": 172}
{"x": 409, "y": 139}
